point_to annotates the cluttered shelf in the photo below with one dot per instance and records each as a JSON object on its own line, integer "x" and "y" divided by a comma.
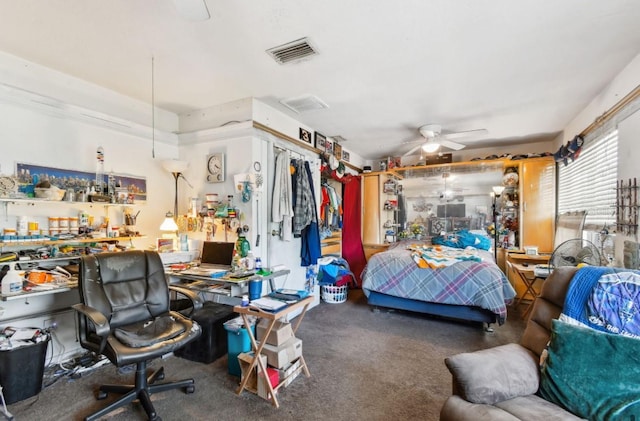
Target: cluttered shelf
{"x": 46, "y": 241}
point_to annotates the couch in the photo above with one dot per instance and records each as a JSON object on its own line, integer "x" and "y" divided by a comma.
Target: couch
{"x": 500, "y": 383}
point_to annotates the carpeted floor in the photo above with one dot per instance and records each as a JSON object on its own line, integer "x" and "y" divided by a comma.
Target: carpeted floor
{"x": 373, "y": 365}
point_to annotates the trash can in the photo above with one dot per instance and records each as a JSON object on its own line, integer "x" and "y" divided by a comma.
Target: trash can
{"x": 212, "y": 343}
{"x": 238, "y": 341}
{"x": 21, "y": 370}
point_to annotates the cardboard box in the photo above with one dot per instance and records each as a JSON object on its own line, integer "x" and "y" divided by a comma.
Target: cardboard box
{"x": 244, "y": 359}
{"x": 263, "y": 390}
{"x": 293, "y": 370}
{"x": 280, "y": 356}
{"x": 280, "y": 333}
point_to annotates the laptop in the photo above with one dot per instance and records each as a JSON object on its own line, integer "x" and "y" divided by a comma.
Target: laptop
{"x": 217, "y": 255}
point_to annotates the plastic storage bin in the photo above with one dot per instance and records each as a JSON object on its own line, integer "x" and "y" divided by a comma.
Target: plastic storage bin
{"x": 238, "y": 341}
{"x": 21, "y": 371}
{"x": 212, "y": 343}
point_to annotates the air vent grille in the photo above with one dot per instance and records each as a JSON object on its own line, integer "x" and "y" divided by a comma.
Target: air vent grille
{"x": 338, "y": 139}
{"x": 293, "y": 51}
{"x": 304, "y": 103}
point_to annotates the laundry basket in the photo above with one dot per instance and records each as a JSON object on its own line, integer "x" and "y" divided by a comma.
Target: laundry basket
{"x": 334, "y": 294}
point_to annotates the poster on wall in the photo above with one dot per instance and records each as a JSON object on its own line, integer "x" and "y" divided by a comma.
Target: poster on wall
{"x": 305, "y": 136}
{"x": 136, "y": 187}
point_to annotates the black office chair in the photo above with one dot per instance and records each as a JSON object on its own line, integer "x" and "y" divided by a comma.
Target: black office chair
{"x": 125, "y": 315}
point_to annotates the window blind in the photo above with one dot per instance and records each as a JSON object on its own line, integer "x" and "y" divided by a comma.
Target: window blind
{"x": 589, "y": 183}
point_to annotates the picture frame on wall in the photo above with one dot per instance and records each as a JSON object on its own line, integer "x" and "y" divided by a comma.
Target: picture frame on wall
{"x": 345, "y": 156}
{"x": 319, "y": 140}
{"x": 337, "y": 150}
{"x": 305, "y": 136}
{"x": 328, "y": 146}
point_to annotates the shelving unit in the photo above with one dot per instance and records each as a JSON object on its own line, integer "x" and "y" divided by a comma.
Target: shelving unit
{"x": 390, "y": 208}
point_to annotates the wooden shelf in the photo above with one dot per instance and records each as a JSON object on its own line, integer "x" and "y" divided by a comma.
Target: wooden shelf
{"x": 66, "y": 241}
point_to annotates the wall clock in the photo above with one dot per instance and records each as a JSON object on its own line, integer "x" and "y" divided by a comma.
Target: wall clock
{"x": 215, "y": 168}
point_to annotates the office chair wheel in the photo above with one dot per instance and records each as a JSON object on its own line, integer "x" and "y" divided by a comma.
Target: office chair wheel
{"x": 101, "y": 395}
{"x": 160, "y": 376}
{"x": 189, "y": 389}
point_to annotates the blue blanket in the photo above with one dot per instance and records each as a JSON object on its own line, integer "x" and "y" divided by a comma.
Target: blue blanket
{"x": 605, "y": 299}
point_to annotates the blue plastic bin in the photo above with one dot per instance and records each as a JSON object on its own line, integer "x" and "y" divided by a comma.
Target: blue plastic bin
{"x": 238, "y": 341}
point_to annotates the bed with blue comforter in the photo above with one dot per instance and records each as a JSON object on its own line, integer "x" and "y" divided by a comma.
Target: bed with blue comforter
{"x": 462, "y": 284}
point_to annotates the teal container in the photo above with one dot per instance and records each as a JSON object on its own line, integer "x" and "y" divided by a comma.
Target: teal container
{"x": 238, "y": 341}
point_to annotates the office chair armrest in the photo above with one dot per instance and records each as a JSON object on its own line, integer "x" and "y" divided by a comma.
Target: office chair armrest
{"x": 102, "y": 327}
{"x": 196, "y": 302}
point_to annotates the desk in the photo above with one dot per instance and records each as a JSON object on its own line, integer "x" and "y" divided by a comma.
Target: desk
{"x": 257, "y": 348}
{"x": 528, "y": 278}
{"x": 223, "y": 290}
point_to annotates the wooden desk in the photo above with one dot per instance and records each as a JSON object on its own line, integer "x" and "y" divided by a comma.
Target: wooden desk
{"x": 257, "y": 348}
{"x": 528, "y": 278}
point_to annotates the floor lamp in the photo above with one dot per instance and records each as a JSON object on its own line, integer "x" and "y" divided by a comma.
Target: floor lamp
{"x": 175, "y": 167}
{"x": 497, "y": 191}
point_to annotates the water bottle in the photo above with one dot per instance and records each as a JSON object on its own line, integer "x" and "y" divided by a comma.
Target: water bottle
{"x": 258, "y": 265}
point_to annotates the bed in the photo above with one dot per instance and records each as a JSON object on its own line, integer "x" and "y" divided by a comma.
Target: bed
{"x": 471, "y": 290}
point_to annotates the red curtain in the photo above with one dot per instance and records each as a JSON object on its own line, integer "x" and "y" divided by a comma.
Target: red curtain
{"x": 352, "y": 250}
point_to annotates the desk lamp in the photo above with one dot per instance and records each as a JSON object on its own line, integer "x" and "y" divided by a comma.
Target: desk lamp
{"x": 497, "y": 191}
{"x": 170, "y": 229}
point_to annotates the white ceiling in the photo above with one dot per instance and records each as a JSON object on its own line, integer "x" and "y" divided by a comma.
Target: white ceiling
{"x": 520, "y": 69}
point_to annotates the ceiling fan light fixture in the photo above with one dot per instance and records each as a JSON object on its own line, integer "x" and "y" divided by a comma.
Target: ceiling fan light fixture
{"x": 430, "y": 146}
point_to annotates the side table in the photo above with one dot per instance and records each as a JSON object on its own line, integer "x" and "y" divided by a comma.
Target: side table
{"x": 257, "y": 348}
{"x": 528, "y": 278}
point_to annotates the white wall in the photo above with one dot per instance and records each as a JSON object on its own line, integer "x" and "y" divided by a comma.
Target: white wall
{"x": 51, "y": 119}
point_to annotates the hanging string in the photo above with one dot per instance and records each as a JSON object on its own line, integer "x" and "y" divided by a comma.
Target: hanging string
{"x": 153, "y": 113}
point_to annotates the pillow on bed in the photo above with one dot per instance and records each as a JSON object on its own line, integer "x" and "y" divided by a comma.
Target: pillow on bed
{"x": 463, "y": 239}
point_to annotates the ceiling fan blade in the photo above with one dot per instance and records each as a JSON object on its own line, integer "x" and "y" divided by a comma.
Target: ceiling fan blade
{"x": 458, "y": 135}
{"x": 193, "y": 9}
{"x": 412, "y": 150}
{"x": 451, "y": 145}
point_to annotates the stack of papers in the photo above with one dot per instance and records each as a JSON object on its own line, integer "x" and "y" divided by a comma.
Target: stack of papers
{"x": 268, "y": 304}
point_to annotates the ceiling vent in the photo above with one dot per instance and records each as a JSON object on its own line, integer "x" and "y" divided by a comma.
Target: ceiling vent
{"x": 293, "y": 51}
{"x": 304, "y": 103}
{"x": 338, "y": 139}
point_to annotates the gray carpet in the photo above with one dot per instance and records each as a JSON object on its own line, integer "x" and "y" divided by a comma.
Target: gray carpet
{"x": 364, "y": 364}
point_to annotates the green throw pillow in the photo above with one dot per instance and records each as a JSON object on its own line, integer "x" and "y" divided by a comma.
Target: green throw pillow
{"x": 592, "y": 374}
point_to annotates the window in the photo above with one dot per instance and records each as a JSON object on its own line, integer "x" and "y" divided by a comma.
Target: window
{"x": 589, "y": 183}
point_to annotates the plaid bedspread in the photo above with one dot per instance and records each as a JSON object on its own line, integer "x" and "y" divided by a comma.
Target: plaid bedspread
{"x": 480, "y": 284}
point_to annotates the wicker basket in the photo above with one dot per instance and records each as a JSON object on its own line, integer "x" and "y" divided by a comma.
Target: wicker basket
{"x": 334, "y": 294}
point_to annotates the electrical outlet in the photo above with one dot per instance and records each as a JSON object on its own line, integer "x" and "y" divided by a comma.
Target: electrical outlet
{"x": 50, "y": 324}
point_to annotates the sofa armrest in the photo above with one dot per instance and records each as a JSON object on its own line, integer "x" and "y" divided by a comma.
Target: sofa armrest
{"x": 494, "y": 375}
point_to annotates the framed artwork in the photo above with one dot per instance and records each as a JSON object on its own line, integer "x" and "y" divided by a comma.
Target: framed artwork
{"x": 337, "y": 150}
{"x": 165, "y": 245}
{"x": 305, "y": 136}
{"x": 345, "y": 156}
{"x": 320, "y": 140}
{"x": 328, "y": 146}
{"x": 80, "y": 180}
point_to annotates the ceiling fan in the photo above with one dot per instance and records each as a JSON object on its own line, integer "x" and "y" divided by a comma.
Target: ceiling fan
{"x": 434, "y": 138}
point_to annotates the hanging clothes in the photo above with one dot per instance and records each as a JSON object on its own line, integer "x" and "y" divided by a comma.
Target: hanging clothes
{"x": 282, "y": 203}
{"x": 311, "y": 249}
{"x": 304, "y": 210}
